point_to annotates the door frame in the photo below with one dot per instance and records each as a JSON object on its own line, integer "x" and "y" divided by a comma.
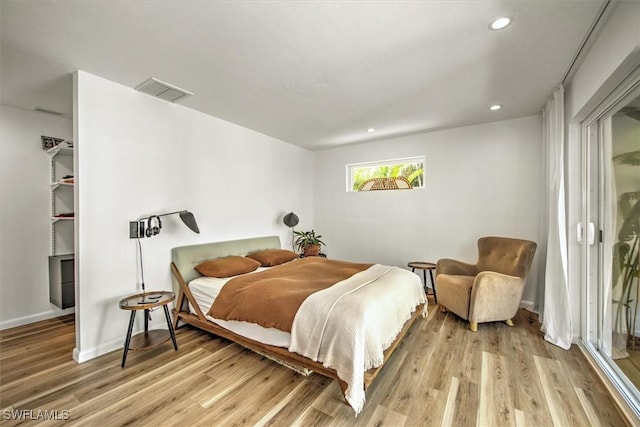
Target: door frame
{"x": 592, "y": 306}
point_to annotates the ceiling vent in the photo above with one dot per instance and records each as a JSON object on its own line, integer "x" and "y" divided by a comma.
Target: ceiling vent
{"x": 162, "y": 90}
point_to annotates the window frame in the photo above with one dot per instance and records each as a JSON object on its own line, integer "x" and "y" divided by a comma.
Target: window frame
{"x": 351, "y": 167}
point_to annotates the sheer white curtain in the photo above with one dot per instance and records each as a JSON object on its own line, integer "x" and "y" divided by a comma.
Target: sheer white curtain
{"x": 556, "y": 318}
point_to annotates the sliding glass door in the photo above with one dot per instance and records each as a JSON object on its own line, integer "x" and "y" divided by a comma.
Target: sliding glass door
{"x": 610, "y": 233}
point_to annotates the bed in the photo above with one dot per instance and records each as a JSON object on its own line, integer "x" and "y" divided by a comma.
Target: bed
{"x": 380, "y": 303}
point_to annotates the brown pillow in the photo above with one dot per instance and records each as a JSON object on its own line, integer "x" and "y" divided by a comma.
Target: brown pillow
{"x": 227, "y": 266}
{"x": 271, "y": 257}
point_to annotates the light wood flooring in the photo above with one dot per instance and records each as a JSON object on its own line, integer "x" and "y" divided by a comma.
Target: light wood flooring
{"x": 441, "y": 375}
{"x": 631, "y": 366}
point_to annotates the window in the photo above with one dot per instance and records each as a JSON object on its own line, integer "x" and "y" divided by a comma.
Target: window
{"x": 395, "y": 174}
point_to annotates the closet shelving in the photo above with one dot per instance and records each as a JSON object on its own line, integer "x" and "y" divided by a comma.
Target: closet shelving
{"x": 62, "y": 259}
{"x": 61, "y": 157}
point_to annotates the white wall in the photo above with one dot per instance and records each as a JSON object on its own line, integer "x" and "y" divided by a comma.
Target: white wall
{"x": 608, "y": 61}
{"x": 138, "y": 155}
{"x": 25, "y": 226}
{"x": 480, "y": 180}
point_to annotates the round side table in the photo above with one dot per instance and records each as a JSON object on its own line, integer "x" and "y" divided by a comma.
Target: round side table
{"x": 424, "y": 266}
{"x": 147, "y": 339}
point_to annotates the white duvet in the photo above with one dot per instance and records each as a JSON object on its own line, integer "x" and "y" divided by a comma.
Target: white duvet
{"x": 348, "y": 326}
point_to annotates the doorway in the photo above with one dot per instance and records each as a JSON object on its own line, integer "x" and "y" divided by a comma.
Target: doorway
{"x": 610, "y": 234}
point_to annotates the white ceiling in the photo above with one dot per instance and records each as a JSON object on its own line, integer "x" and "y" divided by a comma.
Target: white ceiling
{"x": 313, "y": 73}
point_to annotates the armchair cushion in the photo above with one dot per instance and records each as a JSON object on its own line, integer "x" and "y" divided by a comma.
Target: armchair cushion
{"x": 457, "y": 295}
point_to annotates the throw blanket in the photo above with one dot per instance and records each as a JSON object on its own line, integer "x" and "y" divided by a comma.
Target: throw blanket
{"x": 347, "y": 327}
{"x": 271, "y": 298}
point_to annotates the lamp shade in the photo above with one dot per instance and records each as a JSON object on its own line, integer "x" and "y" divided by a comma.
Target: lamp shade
{"x": 290, "y": 219}
{"x": 190, "y": 221}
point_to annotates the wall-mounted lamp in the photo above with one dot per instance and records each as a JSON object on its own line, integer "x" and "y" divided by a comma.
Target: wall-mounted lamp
{"x": 151, "y": 225}
{"x": 291, "y": 220}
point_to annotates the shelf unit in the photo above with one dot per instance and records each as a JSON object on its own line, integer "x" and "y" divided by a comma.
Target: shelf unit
{"x": 61, "y": 164}
{"x": 62, "y": 206}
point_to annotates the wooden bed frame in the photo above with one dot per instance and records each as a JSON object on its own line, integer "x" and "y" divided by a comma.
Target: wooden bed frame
{"x": 186, "y": 257}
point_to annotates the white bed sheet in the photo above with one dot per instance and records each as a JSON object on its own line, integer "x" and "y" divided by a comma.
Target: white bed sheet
{"x": 205, "y": 290}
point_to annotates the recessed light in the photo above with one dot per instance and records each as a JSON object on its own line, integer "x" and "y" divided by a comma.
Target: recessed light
{"x": 495, "y": 107}
{"x": 500, "y": 23}
{"x": 371, "y": 130}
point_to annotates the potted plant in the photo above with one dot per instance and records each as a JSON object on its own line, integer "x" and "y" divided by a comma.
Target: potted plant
{"x": 308, "y": 242}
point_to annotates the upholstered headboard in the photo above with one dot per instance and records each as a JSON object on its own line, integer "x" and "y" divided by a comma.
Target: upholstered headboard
{"x": 186, "y": 258}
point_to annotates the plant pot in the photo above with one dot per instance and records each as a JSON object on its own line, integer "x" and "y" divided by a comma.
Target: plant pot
{"x": 311, "y": 250}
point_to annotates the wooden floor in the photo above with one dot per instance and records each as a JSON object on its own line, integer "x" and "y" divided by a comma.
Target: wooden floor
{"x": 441, "y": 375}
{"x": 631, "y": 366}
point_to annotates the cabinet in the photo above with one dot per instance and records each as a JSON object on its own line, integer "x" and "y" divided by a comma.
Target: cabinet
{"x": 62, "y": 208}
{"x": 62, "y": 280}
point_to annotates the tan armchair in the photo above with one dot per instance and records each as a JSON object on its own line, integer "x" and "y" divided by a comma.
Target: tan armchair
{"x": 491, "y": 289}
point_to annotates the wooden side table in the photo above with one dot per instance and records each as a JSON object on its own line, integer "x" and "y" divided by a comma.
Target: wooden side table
{"x": 147, "y": 339}
{"x": 424, "y": 266}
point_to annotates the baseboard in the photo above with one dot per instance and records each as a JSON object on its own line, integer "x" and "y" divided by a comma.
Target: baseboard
{"x": 527, "y": 305}
{"x": 83, "y": 356}
{"x": 103, "y": 348}
{"x": 32, "y": 318}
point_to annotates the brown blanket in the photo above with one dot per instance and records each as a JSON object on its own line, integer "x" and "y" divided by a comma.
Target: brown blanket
{"x": 271, "y": 298}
